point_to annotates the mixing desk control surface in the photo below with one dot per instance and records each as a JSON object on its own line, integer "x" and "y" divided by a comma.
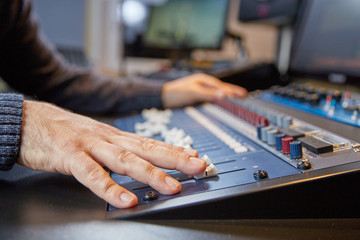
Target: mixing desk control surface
{"x": 248, "y": 148}
{"x": 342, "y": 106}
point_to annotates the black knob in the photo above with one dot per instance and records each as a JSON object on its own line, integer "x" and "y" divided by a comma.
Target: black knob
{"x": 290, "y": 92}
{"x": 310, "y": 89}
{"x": 304, "y": 165}
{"x": 313, "y": 99}
{"x": 322, "y": 93}
{"x": 337, "y": 95}
{"x": 300, "y": 95}
{"x": 302, "y": 87}
{"x": 150, "y": 196}
{"x": 260, "y": 174}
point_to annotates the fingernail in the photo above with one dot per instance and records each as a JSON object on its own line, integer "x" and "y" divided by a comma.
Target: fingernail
{"x": 171, "y": 182}
{"x": 197, "y": 161}
{"x": 190, "y": 151}
{"x": 126, "y": 198}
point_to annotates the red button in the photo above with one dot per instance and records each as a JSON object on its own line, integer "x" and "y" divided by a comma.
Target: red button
{"x": 285, "y": 143}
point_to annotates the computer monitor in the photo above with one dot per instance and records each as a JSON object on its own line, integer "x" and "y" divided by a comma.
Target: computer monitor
{"x": 277, "y": 12}
{"x": 173, "y": 28}
{"x": 327, "y": 41}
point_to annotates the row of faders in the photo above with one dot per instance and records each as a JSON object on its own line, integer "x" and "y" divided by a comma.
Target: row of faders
{"x": 299, "y": 143}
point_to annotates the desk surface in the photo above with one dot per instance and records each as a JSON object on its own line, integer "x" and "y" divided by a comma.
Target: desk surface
{"x": 38, "y": 205}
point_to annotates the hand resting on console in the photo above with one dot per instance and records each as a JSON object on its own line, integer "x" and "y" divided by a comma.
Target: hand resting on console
{"x": 57, "y": 140}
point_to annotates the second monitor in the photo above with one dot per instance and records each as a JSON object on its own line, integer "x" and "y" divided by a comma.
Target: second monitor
{"x": 173, "y": 28}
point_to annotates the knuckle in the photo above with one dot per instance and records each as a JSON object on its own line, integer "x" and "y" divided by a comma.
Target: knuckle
{"x": 125, "y": 156}
{"x": 94, "y": 174}
{"x": 72, "y": 145}
{"x": 97, "y": 179}
{"x": 152, "y": 171}
{"x": 180, "y": 159}
{"x": 110, "y": 191}
{"x": 177, "y": 155}
{"x": 147, "y": 146}
{"x": 149, "y": 140}
{"x": 92, "y": 146}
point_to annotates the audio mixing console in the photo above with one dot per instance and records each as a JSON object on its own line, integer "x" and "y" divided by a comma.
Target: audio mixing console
{"x": 342, "y": 106}
{"x": 269, "y": 164}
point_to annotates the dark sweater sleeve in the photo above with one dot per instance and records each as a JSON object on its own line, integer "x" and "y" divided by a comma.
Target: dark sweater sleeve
{"x": 29, "y": 64}
{"x": 11, "y": 115}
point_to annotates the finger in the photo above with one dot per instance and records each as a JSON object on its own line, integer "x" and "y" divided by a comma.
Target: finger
{"x": 163, "y": 156}
{"x": 234, "y": 90}
{"x": 229, "y": 90}
{"x": 127, "y": 163}
{"x": 115, "y": 133}
{"x": 118, "y": 140}
{"x": 207, "y": 94}
{"x": 93, "y": 176}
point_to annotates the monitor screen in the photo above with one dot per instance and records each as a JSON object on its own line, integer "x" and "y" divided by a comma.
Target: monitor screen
{"x": 327, "y": 41}
{"x": 176, "y": 25}
{"x": 278, "y": 12}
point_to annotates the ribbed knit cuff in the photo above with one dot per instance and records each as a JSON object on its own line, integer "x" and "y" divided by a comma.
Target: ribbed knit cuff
{"x": 11, "y": 116}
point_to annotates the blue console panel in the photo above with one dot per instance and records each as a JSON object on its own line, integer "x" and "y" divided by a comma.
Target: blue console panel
{"x": 323, "y": 155}
{"x": 234, "y": 168}
{"x": 339, "y": 106}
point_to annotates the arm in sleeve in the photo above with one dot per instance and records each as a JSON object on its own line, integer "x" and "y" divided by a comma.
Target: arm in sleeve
{"x": 31, "y": 65}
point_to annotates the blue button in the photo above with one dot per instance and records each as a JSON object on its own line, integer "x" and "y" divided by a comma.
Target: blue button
{"x": 278, "y": 138}
{"x": 295, "y": 150}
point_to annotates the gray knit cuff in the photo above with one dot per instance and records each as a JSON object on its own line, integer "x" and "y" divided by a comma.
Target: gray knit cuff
{"x": 11, "y": 116}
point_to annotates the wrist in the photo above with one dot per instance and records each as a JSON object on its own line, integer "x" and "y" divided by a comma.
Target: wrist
{"x": 164, "y": 95}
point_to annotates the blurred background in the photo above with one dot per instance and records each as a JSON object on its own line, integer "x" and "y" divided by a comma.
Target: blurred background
{"x": 112, "y": 36}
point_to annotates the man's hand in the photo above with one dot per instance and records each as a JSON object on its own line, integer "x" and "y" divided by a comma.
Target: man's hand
{"x": 198, "y": 88}
{"x": 56, "y": 140}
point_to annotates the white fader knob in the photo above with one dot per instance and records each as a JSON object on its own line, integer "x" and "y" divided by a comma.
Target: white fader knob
{"x": 210, "y": 170}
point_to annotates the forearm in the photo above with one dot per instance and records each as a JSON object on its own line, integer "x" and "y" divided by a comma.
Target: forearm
{"x": 84, "y": 91}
